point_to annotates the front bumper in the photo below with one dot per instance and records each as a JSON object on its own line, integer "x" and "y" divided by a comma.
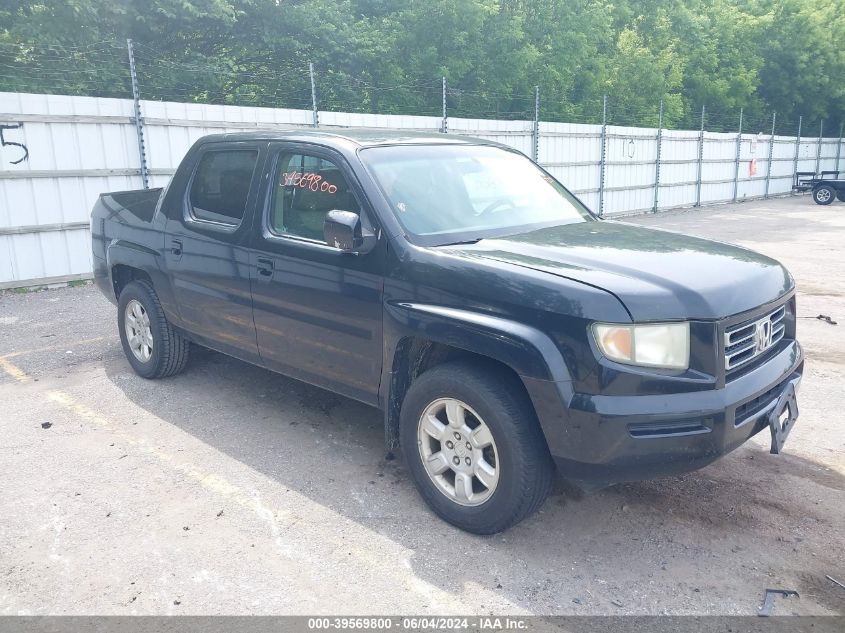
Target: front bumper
{"x": 609, "y": 439}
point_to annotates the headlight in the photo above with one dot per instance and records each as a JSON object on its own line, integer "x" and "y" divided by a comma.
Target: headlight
{"x": 649, "y": 345}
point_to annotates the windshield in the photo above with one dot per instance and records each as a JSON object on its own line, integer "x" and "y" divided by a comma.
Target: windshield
{"x": 449, "y": 193}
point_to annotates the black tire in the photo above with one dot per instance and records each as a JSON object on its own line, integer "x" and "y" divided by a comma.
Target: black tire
{"x": 523, "y": 461}
{"x": 824, "y": 194}
{"x": 840, "y": 195}
{"x": 169, "y": 349}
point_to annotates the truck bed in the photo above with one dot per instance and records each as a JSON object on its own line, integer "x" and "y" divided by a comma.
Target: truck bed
{"x": 139, "y": 202}
{"x": 120, "y": 214}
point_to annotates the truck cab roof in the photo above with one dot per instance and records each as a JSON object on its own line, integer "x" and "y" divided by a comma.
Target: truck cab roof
{"x": 351, "y": 137}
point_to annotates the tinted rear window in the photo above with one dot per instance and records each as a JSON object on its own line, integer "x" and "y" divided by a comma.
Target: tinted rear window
{"x": 221, "y": 184}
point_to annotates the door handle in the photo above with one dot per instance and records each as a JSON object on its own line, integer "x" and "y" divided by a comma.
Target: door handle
{"x": 176, "y": 248}
{"x": 265, "y": 267}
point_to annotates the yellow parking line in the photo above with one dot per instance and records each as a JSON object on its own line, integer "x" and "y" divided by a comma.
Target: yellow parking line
{"x": 211, "y": 482}
{"x": 339, "y": 547}
{"x": 15, "y": 372}
{"x": 275, "y": 517}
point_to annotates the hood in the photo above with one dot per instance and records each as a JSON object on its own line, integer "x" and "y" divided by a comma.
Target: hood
{"x": 656, "y": 274}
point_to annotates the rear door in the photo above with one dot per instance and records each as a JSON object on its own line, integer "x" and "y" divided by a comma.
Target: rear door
{"x": 318, "y": 311}
{"x": 207, "y": 246}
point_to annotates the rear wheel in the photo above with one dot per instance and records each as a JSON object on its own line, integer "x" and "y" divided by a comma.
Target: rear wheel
{"x": 824, "y": 194}
{"x": 840, "y": 195}
{"x": 152, "y": 346}
{"x": 474, "y": 448}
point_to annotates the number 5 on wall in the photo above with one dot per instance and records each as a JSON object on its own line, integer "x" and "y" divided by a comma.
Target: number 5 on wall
{"x": 5, "y": 143}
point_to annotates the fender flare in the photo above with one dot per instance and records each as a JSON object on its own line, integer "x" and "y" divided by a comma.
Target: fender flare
{"x": 121, "y": 252}
{"x": 526, "y": 350}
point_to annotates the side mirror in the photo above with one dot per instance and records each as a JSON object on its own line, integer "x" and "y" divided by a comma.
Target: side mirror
{"x": 343, "y": 230}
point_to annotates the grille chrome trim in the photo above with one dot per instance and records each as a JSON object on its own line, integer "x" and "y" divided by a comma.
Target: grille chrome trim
{"x": 746, "y": 341}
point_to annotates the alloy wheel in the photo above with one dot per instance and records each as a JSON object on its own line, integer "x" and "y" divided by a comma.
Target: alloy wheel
{"x": 458, "y": 452}
{"x": 138, "y": 334}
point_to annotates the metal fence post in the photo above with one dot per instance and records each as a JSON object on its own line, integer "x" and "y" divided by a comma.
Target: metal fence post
{"x": 444, "y": 126}
{"x": 838, "y": 149}
{"x": 738, "y": 151}
{"x": 700, "y": 161}
{"x": 139, "y": 121}
{"x": 602, "y": 165}
{"x": 536, "y": 123}
{"x": 771, "y": 152}
{"x": 819, "y": 147}
{"x": 316, "y": 116}
{"x": 657, "y": 162}
{"x": 797, "y": 148}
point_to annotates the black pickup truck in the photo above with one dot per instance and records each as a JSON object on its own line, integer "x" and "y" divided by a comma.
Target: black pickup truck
{"x": 505, "y": 332}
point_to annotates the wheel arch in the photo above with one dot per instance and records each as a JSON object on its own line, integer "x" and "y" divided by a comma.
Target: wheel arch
{"x": 123, "y": 274}
{"x": 420, "y": 337}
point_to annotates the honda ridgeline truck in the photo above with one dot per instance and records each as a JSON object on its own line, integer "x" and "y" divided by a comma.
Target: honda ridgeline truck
{"x": 505, "y": 331}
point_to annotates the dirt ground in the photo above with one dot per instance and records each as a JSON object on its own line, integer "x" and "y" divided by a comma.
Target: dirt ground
{"x": 232, "y": 490}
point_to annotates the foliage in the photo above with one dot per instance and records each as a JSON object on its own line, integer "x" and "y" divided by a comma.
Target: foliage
{"x": 389, "y": 55}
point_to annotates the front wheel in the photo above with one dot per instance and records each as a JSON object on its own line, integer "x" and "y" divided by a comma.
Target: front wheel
{"x": 152, "y": 346}
{"x": 474, "y": 448}
{"x": 824, "y": 194}
{"x": 840, "y": 195}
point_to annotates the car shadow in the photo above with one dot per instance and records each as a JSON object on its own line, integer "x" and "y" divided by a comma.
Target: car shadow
{"x": 750, "y": 513}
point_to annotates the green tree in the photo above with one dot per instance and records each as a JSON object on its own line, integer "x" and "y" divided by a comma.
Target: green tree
{"x": 389, "y": 55}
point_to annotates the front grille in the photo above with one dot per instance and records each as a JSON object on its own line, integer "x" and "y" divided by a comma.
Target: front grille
{"x": 749, "y": 340}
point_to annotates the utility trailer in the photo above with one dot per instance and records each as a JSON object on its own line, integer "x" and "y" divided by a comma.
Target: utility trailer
{"x": 824, "y": 189}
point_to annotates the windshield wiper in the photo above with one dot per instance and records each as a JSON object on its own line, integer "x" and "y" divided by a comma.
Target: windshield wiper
{"x": 470, "y": 241}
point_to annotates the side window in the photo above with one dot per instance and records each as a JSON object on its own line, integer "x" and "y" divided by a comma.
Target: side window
{"x": 305, "y": 189}
{"x": 221, "y": 185}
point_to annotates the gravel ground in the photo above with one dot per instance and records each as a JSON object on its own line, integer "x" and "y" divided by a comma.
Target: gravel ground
{"x": 230, "y": 489}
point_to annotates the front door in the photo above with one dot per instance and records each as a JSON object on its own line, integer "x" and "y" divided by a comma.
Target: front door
{"x": 207, "y": 247}
{"x": 318, "y": 311}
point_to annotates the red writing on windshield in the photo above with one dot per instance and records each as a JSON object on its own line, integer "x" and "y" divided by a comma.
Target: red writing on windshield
{"x": 307, "y": 180}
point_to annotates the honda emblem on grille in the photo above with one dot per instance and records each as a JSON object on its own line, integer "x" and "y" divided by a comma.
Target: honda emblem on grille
{"x": 763, "y": 334}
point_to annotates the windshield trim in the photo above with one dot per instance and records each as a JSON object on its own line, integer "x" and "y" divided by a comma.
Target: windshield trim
{"x": 454, "y": 237}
